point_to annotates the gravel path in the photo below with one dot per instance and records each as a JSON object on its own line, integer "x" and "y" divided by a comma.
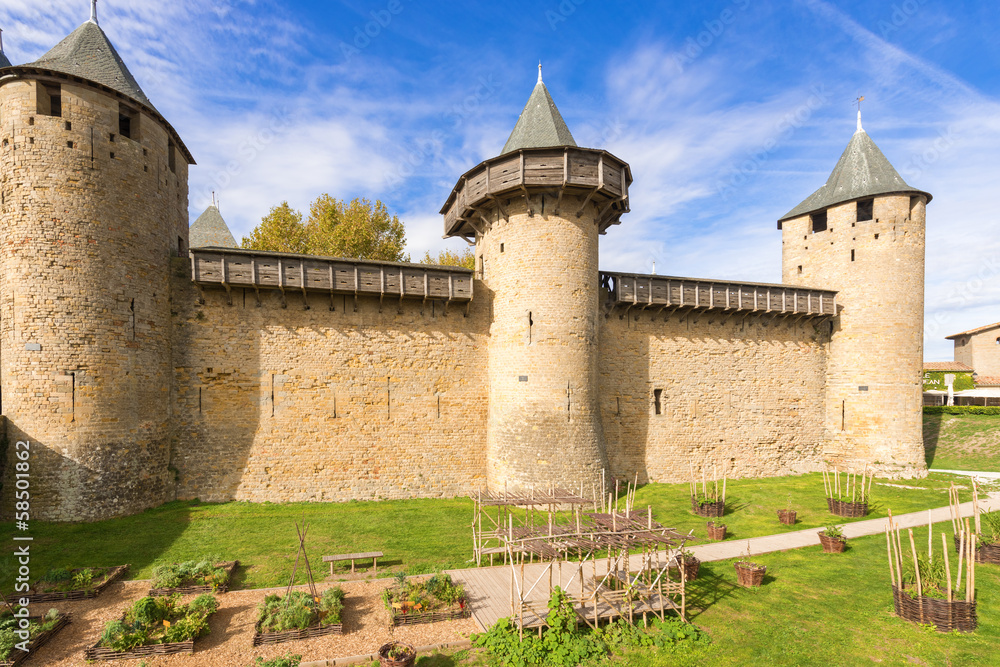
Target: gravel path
{"x": 230, "y": 642}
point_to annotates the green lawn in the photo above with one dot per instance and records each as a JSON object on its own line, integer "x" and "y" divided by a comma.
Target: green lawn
{"x": 962, "y": 442}
{"x": 416, "y": 536}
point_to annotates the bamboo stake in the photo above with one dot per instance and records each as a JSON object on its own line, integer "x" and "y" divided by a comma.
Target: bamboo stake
{"x": 975, "y": 505}
{"x": 930, "y": 533}
{"x": 947, "y": 564}
{"x": 725, "y": 477}
{"x": 961, "y": 558}
{"x": 825, "y": 489}
{"x": 970, "y": 565}
{"x": 715, "y": 479}
{"x": 888, "y": 549}
{"x": 853, "y": 478}
{"x": 704, "y": 482}
{"x": 916, "y": 565}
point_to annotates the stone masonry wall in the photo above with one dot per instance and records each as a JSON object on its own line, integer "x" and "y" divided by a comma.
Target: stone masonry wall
{"x": 874, "y": 384}
{"x": 287, "y": 404}
{"x": 981, "y": 352}
{"x": 747, "y": 393}
{"x": 88, "y": 222}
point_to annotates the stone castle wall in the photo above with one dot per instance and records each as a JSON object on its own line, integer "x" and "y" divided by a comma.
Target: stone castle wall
{"x": 875, "y": 370}
{"x": 287, "y": 404}
{"x": 702, "y": 389}
{"x": 88, "y": 222}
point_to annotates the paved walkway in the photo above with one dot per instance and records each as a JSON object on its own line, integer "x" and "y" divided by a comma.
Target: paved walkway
{"x": 981, "y": 474}
{"x": 489, "y": 587}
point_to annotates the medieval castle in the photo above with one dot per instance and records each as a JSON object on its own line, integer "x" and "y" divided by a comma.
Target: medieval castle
{"x": 144, "y": 368}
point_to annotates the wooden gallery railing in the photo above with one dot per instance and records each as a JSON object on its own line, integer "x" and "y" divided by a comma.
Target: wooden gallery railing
{"x": 304, "y": 274}
{"x": 666, "y": 293}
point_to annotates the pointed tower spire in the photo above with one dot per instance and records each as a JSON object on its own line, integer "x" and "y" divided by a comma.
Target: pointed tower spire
{"x": 540, "y": 125}
{"x": 3, "y": 59}
{"x": 862, "y": 171}
{"x": 93, "y": 12}
{"x": 211, "y": 230}
{"x": 861, "y": 98}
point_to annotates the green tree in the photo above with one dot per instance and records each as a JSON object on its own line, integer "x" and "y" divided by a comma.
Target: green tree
{"x": 359, "y": 228}
{"x": 281, "y": 230}
{"x": 466, "y": 259}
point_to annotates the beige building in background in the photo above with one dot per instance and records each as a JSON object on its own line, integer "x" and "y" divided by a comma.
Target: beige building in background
{"x": 146, "y": 361}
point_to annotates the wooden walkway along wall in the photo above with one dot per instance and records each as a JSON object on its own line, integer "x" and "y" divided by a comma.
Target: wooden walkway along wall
{"x": 226, "y": 267}
{"x": 669, "y": 293}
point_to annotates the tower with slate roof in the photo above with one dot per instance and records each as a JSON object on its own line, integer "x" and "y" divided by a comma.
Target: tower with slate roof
{"x": 535, "y": 213}
{"x": 862, "y": 234}
{"x": 94, "y": 205}
{"x": 211, "y": 231}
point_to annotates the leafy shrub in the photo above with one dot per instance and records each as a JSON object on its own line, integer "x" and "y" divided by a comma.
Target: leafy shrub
{"x": 199, "y": 572}
{"x": 186, "y": 627}
{"x": 84, "y": 579}
{"x": 205, "y": 604}
{"x": 834, "y": 531}
{"x": 991, "y": 528}
{"x": 563, "y": 644}
{"x": 57, "y": 575}
{"x": 161, "y": 619}
{"x": 287, "y": 660}
{"x": 437, "y": 592}
{"x": 960, "y": 410}
{"x": 331, "y": 604}
{"x": 296, "y": 611}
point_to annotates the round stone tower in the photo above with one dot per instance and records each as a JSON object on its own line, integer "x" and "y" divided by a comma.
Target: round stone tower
{"x": 93, "y": 204}
{"x": 535, "y": 214}
{"x": 862, "y": 234}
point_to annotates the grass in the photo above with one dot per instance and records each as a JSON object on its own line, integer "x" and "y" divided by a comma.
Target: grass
{"x": 815, "y": 609}
{"x": 962, "y": 442}
{"x": 417, "y": 536}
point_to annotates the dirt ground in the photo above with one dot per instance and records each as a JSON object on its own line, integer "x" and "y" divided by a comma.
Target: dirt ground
{"x": 229, "y": 643}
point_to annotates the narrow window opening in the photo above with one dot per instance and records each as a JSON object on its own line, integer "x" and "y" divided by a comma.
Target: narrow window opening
{"x": 171, "y": 157}
{"x": 112, "y": 156}
{"x": 48, "y": 101}
{"x": 388, "y": 398}
{"x": 69, "y": 125}
{"x": 128, "y": 122}
{"x": 618, "y": 405}
{"x": 31, "y": 140}
{"x": 876, "y": 237}
{"x": 818, "y": 222}
{"x": 272, "y": 392}
{"x": 998, "y": 341}
{"x": 131, "y": 311}
{"x": 531, "y": 323}
{"x": 145, "y": 167}
{"x": 199, "y": 399}
{"x": 439, "y": 407}
{"x": 501, "y": 247}
{"x": 800, "y": 269}
{"x": 843, "y": 415}
{"x": 72, "y": 397}
{"x": 334, "y": 405}
{"x": 111, "y": 137}
{"x": 866, "y": 209}
{"x": 913, "y": 204}
{"x": 31, "y": 120}
{"x": 852, "y": 254}
{"x": 180, "y": 246}
{"x": 69, "y": 144}
{"x": 657, "y": 397}
{"x": 569, "y": 413}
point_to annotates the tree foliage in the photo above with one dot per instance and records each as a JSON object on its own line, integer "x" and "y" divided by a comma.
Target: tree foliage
{"x": 361, "y": 229}
{"x": 466, "y": 259}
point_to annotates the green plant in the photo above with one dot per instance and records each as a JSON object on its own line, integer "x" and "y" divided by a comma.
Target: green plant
{"x": 205, "y": 604}
{"x": 57, "y": 575}
{"x": 200, "y": 572}
{"x": 990, "y": 534}
{"x": 331, "y": 604}
{"x": 287, "y": 660}
{"x": 161, "y": 619}
{"x": 83, "y": 579}
{"x": 834, "y": 531}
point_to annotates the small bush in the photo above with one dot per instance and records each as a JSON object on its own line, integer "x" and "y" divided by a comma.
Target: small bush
{"x": 57, "y": 575}
{"x": 201, "y": 572}
{"x": 161, "y": 619}
{"x": 960, "y": 410}
{"x": 287, "y": 660}
{"x": 296, "y": 611}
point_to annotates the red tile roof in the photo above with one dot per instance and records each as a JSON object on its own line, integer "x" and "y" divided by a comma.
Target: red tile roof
{"x": 946, "y": 366}
{"x": 988, "y": 382}
{"x": 973, "y": 331}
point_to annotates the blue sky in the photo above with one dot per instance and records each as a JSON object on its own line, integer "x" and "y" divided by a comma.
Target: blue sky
{"x": 729, "y": 112}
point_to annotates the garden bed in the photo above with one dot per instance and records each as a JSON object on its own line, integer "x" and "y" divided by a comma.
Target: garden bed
{"x": 425, "y": 601}
{"x": 75, "y": 579}
{"x": 943, "y": 615}
{"x": 218, "y": 583}
{"x": 17, "y": 656}
{"x": 707, "y": 508}
{"x": 846, "y": 509}
{"x": 154, "y": 626}
{"x": 299, "y": 615}
{"x": 986, "y": 553}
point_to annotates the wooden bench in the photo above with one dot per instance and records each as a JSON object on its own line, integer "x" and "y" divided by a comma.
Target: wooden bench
{"x": 374, "y": 555}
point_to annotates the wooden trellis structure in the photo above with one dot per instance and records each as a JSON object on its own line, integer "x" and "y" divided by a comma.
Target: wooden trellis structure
{"x": 613, "y": 564}
{"x": 494, "y": 513}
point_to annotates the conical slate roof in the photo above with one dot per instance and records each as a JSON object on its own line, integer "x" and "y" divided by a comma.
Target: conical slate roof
{"x": 862, "y": 171}
{"x": 540, "y": 124}
{"x": 211, "y": 231}
{"x": 87, "y": 53}
{"x": 3, "y": 59}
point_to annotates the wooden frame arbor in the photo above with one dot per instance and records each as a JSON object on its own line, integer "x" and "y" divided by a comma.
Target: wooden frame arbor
{"x": 613, "y": 564}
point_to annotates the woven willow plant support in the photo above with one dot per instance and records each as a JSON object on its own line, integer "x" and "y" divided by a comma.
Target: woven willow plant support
{"x": 712, "y": 503}
{"x": 985, "y": 553}
{"x": 957, "y": 610}
{"x": 847, "y": 497}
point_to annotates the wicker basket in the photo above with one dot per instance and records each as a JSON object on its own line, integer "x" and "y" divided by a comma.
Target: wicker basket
{"x": 845, "y": 509}
{"x": 406, "y": 661}
{"x": 749, "y": 575}
{"x": 787, "y": 517}
{"x": 988, "y": 553}
{"x": 691, "y": 567}
{"x": 715, "y": 509}
{"x": 716, "y": 533}
{"x": 945, "y": 616}
{"x": 832, "y": 545}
